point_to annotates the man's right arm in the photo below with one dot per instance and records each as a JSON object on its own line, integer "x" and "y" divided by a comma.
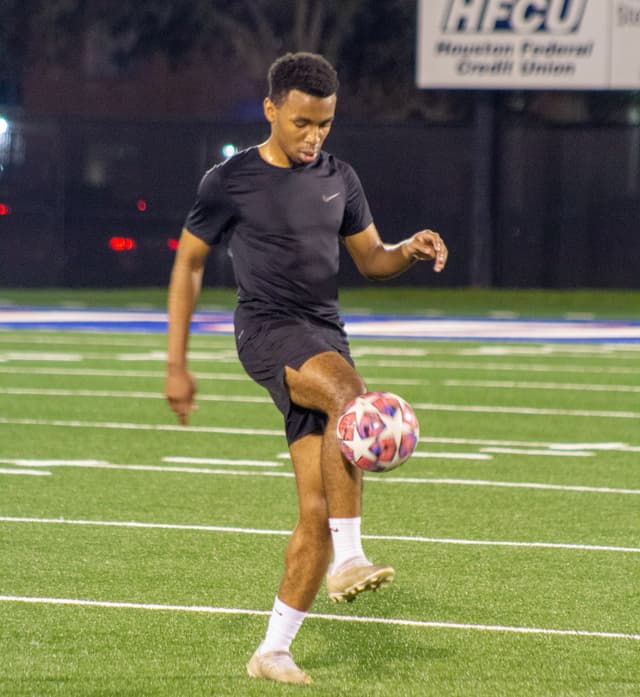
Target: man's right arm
{"x": 184, "y": 289}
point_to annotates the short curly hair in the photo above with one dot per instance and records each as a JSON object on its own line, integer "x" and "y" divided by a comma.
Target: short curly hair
{"x": 308, "y": 72}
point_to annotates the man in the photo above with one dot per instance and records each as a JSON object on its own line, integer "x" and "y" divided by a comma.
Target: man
{"x": 285, "y": 206}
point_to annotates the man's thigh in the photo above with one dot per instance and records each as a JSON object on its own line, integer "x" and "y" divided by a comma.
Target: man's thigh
{"x": 267, "y": 352}
{"x": 324, "y": 382}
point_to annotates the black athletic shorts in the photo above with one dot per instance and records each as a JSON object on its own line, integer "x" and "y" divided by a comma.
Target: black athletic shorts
{"x": 266, "y": 347}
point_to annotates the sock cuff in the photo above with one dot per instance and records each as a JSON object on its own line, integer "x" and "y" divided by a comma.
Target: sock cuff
{"x": 283, "y": 610}
{"x": 345, "y": 523}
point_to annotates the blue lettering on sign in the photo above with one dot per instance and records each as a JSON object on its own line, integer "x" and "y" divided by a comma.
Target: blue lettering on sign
{"x": 514, "y": 16}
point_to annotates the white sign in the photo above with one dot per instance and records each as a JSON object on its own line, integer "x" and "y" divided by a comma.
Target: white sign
{"x": 529, "y": 44}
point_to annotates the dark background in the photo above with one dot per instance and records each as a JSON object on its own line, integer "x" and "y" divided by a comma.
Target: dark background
{"x": 115, "y": 110}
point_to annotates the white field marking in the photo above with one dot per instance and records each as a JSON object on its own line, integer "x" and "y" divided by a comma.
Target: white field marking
{"x": 100, "y": 372}
{"x": 452, "y": 456}
{"x": 44, "y": 356}
{"x": 175, "y": 428}
{"x": 532, "y": 411}
{"x": 484, "y": 330}
{"x": 380, "y": 479}
{"x": 27, "y": 462}
{"x": 221, "y": 355}
{"x": 502, "y": 367}
{"x": 28, "y": 472}
{"x": 531, "y": 444}
{"x": 443, "y": 456}
{"x": 7, "y": 356}
{"x": 388, "y": 351}
{"x": 543, "y": 452}
{"x": 159, "y": 468}
{"x": 276, "y": 432}
{"x": 101, "y": 338}
{"x": 55, "y": 392}
{"x": 506, "y": 384}
{"x": 221, "y": 461}
{"x": 230, "y": 356}
{"x": 508, "y": 485}
{"x": 426, "y": 624}
{"x": 287, "y": 533}
{"x": 64, "y": 317}
{"x": 177, "y": 460}
{"x": 239, "y": 377}
{"x": 587, "y": 351}
{"x": 97, "y": 339}
{"x": 529, "y": 411}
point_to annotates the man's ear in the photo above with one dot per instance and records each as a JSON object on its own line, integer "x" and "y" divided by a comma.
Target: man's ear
{"x": 269, "y": 110}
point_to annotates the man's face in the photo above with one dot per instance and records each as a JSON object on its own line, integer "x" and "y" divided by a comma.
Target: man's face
{"x": 300, "y": 124}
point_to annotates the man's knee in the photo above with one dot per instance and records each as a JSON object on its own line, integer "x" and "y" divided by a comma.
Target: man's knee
{"x": 315, "y": 512}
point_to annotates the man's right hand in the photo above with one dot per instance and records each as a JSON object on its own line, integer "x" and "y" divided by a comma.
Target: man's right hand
{"x": 180, "y": 391}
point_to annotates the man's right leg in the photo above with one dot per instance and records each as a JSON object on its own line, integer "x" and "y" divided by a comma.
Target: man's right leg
{"x": 327, "y": 382}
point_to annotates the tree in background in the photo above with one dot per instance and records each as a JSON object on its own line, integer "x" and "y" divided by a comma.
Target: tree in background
{"x": 372, "y": 43}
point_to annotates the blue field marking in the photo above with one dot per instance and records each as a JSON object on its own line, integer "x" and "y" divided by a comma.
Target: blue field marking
{"x": 357, "y": 325}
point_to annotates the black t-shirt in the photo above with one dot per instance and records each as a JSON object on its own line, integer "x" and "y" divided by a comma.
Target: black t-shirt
{"x": 284, "y": 227}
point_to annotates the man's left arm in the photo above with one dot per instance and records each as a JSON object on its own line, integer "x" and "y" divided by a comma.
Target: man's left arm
{"x": 378, "y": 261}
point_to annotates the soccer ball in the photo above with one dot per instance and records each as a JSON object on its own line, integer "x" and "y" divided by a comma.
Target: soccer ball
{"x": 378, "y": 431}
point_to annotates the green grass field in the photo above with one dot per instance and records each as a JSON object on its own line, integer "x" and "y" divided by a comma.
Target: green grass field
{"x": 138, "y": 558}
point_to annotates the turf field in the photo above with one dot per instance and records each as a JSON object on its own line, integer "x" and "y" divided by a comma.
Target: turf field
{"x": 139, "y": 558}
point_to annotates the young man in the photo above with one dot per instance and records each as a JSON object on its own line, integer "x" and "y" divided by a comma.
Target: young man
{"x": 285, "y": 206}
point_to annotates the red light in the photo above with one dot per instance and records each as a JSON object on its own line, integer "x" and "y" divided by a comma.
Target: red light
{"x": 122, "y": 244}
{"x": 141, "y": 205}
{"x": 5, "y": 209}
{"x": 173, "y": 244}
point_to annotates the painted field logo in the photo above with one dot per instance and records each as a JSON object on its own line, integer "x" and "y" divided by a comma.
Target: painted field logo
{"x": 514, "y": 16}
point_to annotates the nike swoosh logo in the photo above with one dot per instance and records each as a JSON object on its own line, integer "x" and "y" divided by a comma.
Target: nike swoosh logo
{"x": 326, "y": 198}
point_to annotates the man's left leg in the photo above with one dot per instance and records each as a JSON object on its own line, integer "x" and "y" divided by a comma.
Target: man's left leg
{"x": 306, "y": 561}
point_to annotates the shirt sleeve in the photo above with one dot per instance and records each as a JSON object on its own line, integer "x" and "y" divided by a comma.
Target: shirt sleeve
{"x": 357, "y": 215}
{"x": 212, "y": 213}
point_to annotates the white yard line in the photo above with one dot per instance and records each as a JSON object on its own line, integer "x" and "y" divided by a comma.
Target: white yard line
{"x": 159, "y": 468}
{"x": 508, "y": 385}
{"x": 221, "y": 461}
{"x": 508, "y": 485}
{"x": 125, "y": 394}
{"x": 376, "y": 478}
{"x": 426, "y": 624}
{"x": 106, "y": 373}
{"x": 538, "y": 452}
{"x": 604, "y": 350}
{"x": 277, "y": 432}
{"x": 173, "y": 428}
{"x": 501, "y": 367}
{"x": 250, "y": 399}
{"x": 119, "y": 373}
{"x": 529, "y": 411}
{"x": 27, "y": 472}
{"x": 532, "y": 444}
{"x": 229, "y": 356}
{"x": 103, "y": 338}
{"x": 451, "y": 456}
{"x": 261, "y": 531}
{"x": 100, "y": 339}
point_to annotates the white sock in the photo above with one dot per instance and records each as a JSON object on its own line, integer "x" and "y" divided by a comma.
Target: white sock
{"x": 284, "y": 624}
{"x": 347, "y": 545}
